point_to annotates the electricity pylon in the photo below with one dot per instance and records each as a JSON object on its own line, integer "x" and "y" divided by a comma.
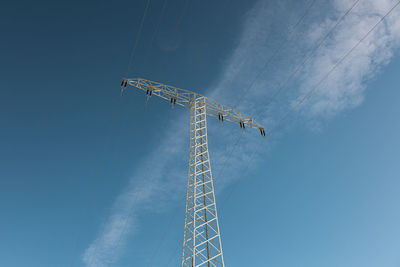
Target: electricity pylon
{"x": 202, "y": 240}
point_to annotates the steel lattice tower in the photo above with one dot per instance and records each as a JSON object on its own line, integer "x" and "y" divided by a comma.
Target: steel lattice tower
{"x": 202, "y": 240}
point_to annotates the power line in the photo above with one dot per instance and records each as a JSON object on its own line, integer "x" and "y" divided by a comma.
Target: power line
{"x": 218, "y": 20}
{"x": 282, "y": 85}
{"x": 306, "y": 96}
{"x": 175, "y": 32}
{"x": 159, "y": 21}
{"x": 133, "y": 52}
{"x": 276, "y": 52}
{"x": 212, "y": 30}
{"x": 312, "y": 91}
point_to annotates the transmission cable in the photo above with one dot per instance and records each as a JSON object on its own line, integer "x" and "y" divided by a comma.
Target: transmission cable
{"x": 276, "y": 52}
{"x": 306, "y": 96}
{"x": 174, "y": 33}
{"x": 316, "y": 86}
{"x": 218, "y": 20}
{"x": 133, "y": 52}
{"x": 281, "y": 86}
{"x": 210, "y": 33}
{"x": 94, "y": 181}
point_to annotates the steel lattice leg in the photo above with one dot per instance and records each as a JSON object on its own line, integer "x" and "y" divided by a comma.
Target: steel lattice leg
{"x": 202, "y": 240}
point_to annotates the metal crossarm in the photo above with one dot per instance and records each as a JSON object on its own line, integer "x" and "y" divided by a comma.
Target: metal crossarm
{"x": 184, "y": 98}
{"x": 202, "y": 244}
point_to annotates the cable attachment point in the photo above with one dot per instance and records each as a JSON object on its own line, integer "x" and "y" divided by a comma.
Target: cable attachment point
{"x": 148, "y": 92}
{"x": 221, "y": 117}
{"x": 124, "y": 83}
{"x": 262, "y": 131}
{"x": 173, "y": 101}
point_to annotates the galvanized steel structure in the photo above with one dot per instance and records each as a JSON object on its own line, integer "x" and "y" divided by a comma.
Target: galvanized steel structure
{"x": 202, "y": 240}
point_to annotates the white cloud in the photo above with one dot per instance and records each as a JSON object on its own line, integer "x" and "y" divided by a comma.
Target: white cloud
{"x": 345, "y": 87}
{"x": 343, "y": 90}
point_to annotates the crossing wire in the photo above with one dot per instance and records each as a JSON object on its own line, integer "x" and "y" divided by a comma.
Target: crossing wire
{"x": 106, "y": 144}
{"x": 304, "y": 98}
{"x": 292, "y": 74}
{"x": 159, "y": 21}
{"x": 210, "y": 33}
{"x": 298, "y": 104}
{"x": 276, "y": 52}
{"x": 270, "y": 59}
{"x": 133, "y": 52}
{"x": 218, "y": 20}
{"x": 281, "y": 86}
{"x": 174, "y": 33}
{"x": 130, "y": 61}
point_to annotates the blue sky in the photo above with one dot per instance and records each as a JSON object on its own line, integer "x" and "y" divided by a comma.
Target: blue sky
{"x": 89, "y": 178}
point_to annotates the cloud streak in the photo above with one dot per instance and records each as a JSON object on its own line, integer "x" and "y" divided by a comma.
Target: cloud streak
{"x": 345, "y": 89}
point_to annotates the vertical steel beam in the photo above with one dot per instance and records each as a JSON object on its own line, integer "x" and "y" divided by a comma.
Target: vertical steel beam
{"x": 202, "y": 241}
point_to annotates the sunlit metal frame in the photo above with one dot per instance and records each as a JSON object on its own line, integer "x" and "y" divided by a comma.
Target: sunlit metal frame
{"x": 182, "y": 97}
{"x": 202, "y": 240}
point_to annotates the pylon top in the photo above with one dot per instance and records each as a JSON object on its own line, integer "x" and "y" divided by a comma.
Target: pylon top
{"x": 184, "y": 98}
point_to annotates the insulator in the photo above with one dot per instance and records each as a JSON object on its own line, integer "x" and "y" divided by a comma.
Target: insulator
{"x": 126, "y": 82}
{"x": 150, "y": 92}
{"x": 241, "y": 125}
{"x": 174, "y": 101}
{"x": 219, "y": 116}
{"x": 244, "y": 126}
{"x": 171, "y": 100}
{"x": 122, "y": 82}
{"x": 222, "y": 118}
{"x": 147, "y": 92}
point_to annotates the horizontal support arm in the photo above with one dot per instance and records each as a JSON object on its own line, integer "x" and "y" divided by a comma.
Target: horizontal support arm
{"x": 184, "y": 98}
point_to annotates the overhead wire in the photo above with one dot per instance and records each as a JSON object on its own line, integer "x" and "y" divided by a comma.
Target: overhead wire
{"x": 159, "y": 21}
{"x": 292, "y": 74}
{"x": 296, "y": 70}
{"x": 270, "y": 59}
{"x": 156, "y": 29}
{"x": 310, "y": 92}
{"x": 282, "y": 85}
{"x": 218, "y": 20}
{"x": 306, "y": 96}
{"x": 276, "y": 52}
{"x": 133, "y": 52}
{"x": 124, "y": 227}
{"x": 172, "y": 38}
{"x": 109, "y": 131}
{"x": 212, "y": 30}
{"x": 174, "y": 33}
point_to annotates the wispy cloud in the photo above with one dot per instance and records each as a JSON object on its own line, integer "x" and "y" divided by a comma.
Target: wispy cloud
{"x": 344, "y": 89}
